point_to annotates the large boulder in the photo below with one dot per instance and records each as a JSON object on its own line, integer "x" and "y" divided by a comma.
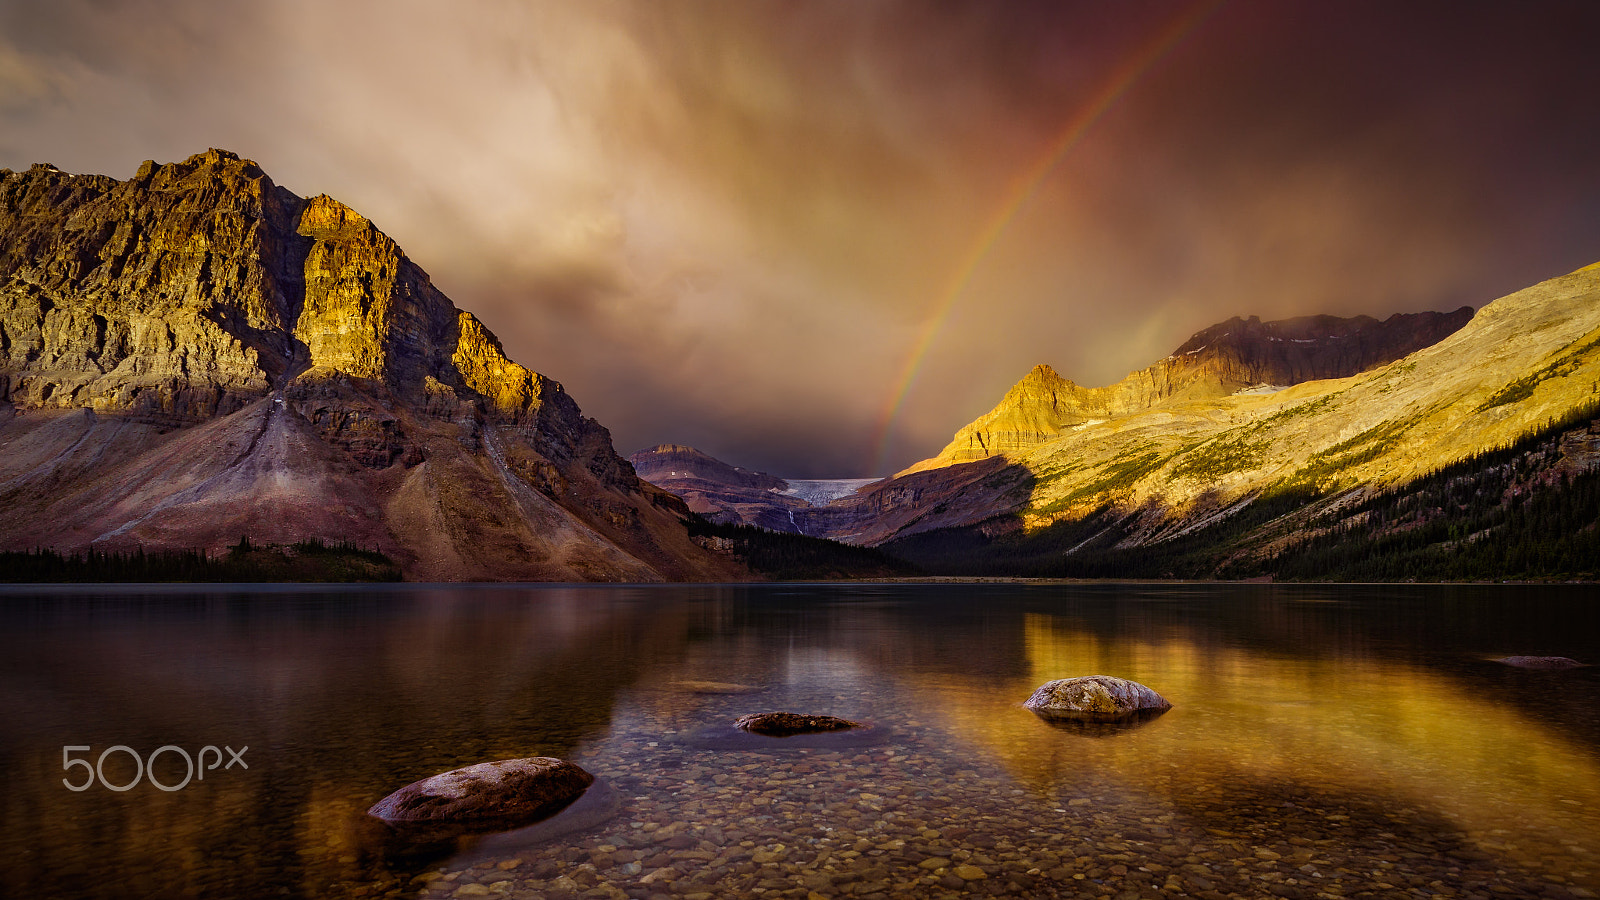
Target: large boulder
{"x": 1095, "y": 698}
{"x": 508, "y": 791}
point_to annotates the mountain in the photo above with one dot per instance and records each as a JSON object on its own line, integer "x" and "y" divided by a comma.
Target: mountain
{"x": 762, "y": 520}
{"x": 1241, "y": 478}
{"x": 672, "y": 461}
{"x": 1238, "y": 354}
{"x": 197, "y": 354}
{"x": 729, "y": 495}
{"x": 1235, "y": 355}
{"x": 718, "y": 491}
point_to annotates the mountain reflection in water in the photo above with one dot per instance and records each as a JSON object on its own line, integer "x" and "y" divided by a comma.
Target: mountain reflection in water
{"x": 1322, "y": 735}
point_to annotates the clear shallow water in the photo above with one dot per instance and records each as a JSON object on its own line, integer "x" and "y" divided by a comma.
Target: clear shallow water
{"x": 1324, "y": 740}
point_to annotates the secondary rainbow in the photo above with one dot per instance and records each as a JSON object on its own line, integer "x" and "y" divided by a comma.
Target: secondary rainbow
{"x": 1023, "y": 189}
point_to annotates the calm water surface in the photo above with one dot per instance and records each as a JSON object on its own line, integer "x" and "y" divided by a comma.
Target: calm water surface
{"x": 1324, "y": 741}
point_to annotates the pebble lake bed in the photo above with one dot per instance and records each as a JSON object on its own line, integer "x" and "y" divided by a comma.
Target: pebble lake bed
{"x": 1322, "y": 741}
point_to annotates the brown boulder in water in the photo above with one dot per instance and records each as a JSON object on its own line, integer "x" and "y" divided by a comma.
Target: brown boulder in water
{"x": 786, "y": 724}
{"x": 505, "y": 791}
{"x": 1094, "y": 698}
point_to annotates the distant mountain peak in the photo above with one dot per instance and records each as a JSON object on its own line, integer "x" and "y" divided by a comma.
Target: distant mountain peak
{"x": 668, "y": 462}
{"x": 324, "y": 215}
{"x": 672, "y": 449}
{"x": 1042, "y": 375}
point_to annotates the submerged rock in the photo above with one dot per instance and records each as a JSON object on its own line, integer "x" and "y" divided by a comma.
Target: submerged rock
{"x": 1541, "y": 662}
{"x": 508, "y": 791}
{"x": 783, "y": 731}
{"x": 1095, "y": 698}
{"x": 786, "y": 724}
{"x": 597, "y": 805}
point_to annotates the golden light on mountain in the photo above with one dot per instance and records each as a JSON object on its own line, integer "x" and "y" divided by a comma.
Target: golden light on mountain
{"x": 1536, "y": 357}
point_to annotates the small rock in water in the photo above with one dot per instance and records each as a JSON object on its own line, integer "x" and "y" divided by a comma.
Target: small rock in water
{"x": 1540, "y": 662}
{"x": 506, "y": 790}
{"x": 1094, "y": 698}
{"x": 784, "y": 724}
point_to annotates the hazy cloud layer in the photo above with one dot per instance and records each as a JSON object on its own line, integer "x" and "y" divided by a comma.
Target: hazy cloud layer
{"x": 725, "y": 224}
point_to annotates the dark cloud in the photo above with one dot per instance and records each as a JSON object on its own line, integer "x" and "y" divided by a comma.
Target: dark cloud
{"x": 725, "y": 224}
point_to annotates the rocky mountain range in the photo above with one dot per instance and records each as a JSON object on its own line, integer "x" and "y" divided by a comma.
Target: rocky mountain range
{"x": 1222, "y": 360}
{"x": 1226, "y": 359}
{"x": 1293, "y": 461}
{"x": 197, "y": 354}
{"x": 1458, "y": 444}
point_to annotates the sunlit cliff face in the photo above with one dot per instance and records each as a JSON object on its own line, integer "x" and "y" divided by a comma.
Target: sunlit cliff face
{"x": 817, "y": 239}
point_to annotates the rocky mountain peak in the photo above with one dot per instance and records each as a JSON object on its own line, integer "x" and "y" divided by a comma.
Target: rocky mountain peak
{"x": 218, "y": 172}
{"x": 200, "y": 289}
{"x": 197, "y": 285}
{"x": 720, "y": 491}
{"x": 666, "y": 463}
{"x": 325, "y": 218}
{"x": 672, "y": 452}
{"x": 1041, "y": 384}
{"x": 1244, "y": 352}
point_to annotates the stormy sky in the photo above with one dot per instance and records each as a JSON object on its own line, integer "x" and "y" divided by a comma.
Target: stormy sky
{"x": 815, "y": 238}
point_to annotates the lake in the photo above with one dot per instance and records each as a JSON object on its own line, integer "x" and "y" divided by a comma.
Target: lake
{"x": 1323, "y": 740}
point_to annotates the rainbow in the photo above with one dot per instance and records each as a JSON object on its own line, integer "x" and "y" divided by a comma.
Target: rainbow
{"x": 1024, "y": 188}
